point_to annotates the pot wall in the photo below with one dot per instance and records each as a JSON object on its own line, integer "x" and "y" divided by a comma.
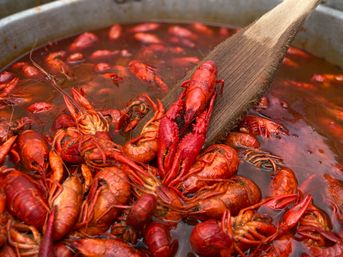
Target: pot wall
{"x": 322, "y": 33}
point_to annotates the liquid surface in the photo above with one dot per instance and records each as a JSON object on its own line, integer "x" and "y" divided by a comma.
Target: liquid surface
{"x": 312, "y": 111}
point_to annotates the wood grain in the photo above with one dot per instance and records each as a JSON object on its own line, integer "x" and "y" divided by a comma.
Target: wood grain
{"x": 247, "y": 62}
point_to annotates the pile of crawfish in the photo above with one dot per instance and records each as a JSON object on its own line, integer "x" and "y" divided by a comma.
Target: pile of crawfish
{"x": 80, "y": 193}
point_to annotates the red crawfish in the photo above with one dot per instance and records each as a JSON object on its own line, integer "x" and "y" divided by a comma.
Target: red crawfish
{"x": 334, "y": 192}
{"x": 290, "y": 218}
{"x": 128, "y": 117}
{"x": 282, "y": 247}
{"x": 284, "y": 182}
{"x": 67, "y": 201}
{"x": 202, "y": 28}
{"x": 92, "y": 135}
{"x": 10, "y": 128}
{"x": 147, "y": 38}
{"x": 257, "y": 125}
{"x": 33, "y": 150}
{"x": 147, "y": 73}
{"x": 144, "y": 27}
{"x": 217, "y": 162}
{"x": 334, "y": 248}
{"x": 110, "y": 188}
{"x": 169, "y": 207}
{"x": 5, "y": 148}
{"x": 115, "y": 32}
{"x": 212, "y": 238}
{"x": 104, "y": 247}
{"x": 61, "y": 250}
{"x": 233, "y": 194}
{"x": 200, "y": 89}
{"x": 83, "y": 41}
{"x": 25, "y": 199}
{"x": 40, "y": 107}
{"x": 63, "y": 121}
{"x": 157, "y": 238}
{"x": 102, "y": 55}
{"x": 181, "y": 32}
{"x": 7, "y": 251}
{"x": 313, "y": 218}
{"x": 141, "y": 211}
{"x": 4, "y": 215}
{"x": 66, "y": 143}
{"x": 144, "y": 147}
{"x": 189, "y": 147}
{"x": 168, "y": 136}
{"x": 56, "y": 64}
{"x": 24, "y": 239}
{"x": 75, "y": 58}
{"x": 8, "y": 82}
{"x": 46, "y": 246}
{"x": 29, "y": 71}
{"x": 328, "y": 79}
{"x": 102, "y": 67}
{"x": 242, "y": 140}
{"x": 250, "y": 229}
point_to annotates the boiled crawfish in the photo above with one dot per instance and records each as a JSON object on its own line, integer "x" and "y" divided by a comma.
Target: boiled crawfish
{"x": 144, "y": 147}
{"x": 217, "y": 162}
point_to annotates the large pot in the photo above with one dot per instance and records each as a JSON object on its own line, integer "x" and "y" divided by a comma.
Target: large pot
{"x": 322, "y": 34}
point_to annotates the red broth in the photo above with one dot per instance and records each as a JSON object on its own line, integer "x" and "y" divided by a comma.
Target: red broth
{"x": 310, "y": 107}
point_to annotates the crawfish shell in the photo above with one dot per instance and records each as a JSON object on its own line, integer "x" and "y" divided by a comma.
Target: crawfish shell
{"x": 234, "y": 194}
{"x": 217, "y": 162}
{"x": 96, "y": 247}
{"x": 68, "y": 204}
{"x": 24, "y": 199}
{"x": 34, "y": 150}
{"x": 115, "y": 189}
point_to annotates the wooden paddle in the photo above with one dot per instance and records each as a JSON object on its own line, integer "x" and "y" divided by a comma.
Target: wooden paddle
{"x": 247, "y": 62}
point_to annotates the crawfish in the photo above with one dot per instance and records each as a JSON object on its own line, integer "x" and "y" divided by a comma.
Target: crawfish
{"x": 211, "y": 238}
{"x": 128, "y": 117}
{"x": 46, "y": 247}
{"x": 115, "y": 32}
{"x": 242, "y": 140}
{"x": 250, "y": 229}
{"x": 284, "y": 182}
{"x": 92, "y": 134}
{"x": 142, "y": 210}
{"x": 189, "y": 147}
{"x": 56, "y": 64}
{"x": 7, "y": 251}
{"x": 67, "y": 201}
{"x": 168, "y": 136}
{"x": 110, "y": 188}
{"x": 144, "y": 147}
{"x": 335, "y": 250}
{"x": 257, "y": 125}
{"x": 261, "y": 159}
{"x": 83, "y": 41}
{"x": 233, "y": 194}
{"x": 148, "y": 74}
{"x": 158, "y": 239}
{"x": 5, "y": 148}
{"x": 7, "y": 84}
{"x": 335, "y": 195}
{"x": 10, "y": 128}
{"x": 24, "y": 239}
{"x": 200, "y": 89}
{"x": 169, "y": 205}
{"x": 313, "y": 217}
{"x": 25, "y": 200}
{"x": 217, "y": 162}
{"x": 104, "y": 247}
{"x": 33, "y": 150}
